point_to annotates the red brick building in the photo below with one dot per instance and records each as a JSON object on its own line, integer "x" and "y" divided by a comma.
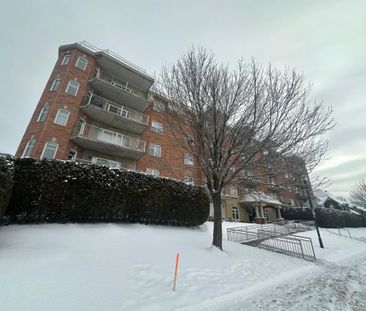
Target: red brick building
{"x": 98, "y": 108}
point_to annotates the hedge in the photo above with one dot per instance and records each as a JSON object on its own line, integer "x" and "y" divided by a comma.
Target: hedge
{"x": 292, "y": 213}
{"x": 6, "y": 181}
{"x": 332, "y": 218}
{"x": 57, "y": 191}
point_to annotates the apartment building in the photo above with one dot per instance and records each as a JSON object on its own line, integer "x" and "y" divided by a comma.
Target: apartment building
{"x": 98, "y": 107}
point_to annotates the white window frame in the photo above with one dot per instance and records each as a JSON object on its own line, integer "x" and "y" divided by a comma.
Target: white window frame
{"x": 27, "y": 147}
{"x": 45, "y": 147}
{"x": 77, "y": 62}
{"x": 73, "y": 159}
{"x": 68, "y": 86}
{"x": 188, "y": 159}
{"x": 43, "y": 113}
{"x": 62, "y": 110}
{"x": 66, "y": 59}
{"x": 189, "y": 180}
{"x": 153, "y": 150}
{"x": 233, "y": 190}
{"x": 153, "y": 171}
{"x": 158, "y": 106}
{"x": 157, "y": 127}
{"x": 55, "y": 85}
{"x": 235, "y": 215}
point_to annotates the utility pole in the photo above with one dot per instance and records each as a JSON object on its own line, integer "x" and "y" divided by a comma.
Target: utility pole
{"x": 314, "y": 214}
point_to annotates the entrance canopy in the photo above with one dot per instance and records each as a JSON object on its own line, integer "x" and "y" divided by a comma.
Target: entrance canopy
{"x": 260, "y": 198}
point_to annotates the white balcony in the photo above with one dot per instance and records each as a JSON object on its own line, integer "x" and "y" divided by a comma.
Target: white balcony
{"x": 114, "y": 115}
{"x": 109, "y": 142}
{"x": 118, "y": 90}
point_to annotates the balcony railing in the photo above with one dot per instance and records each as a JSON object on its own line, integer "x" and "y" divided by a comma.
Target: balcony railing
{"x": 94, "y": 133}
{"x": 117, "y": 83}
{"x": 111, "y": 107}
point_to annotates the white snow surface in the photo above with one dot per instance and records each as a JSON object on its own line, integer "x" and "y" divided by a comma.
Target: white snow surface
{"x": 130, "y": 267}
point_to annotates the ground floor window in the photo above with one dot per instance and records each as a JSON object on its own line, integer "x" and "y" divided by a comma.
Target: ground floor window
{"x": 49, "y": 150}
{"x": 235, "y": 213}
{"x": 106, "y": 162}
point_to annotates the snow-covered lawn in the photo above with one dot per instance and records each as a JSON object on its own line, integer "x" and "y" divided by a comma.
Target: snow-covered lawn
{"x": 130, "y": 267}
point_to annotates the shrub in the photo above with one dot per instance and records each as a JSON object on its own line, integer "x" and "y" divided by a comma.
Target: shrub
{"x": 6, "y": 181}
{"x": 56, "y": 191}
{"x": 293, "y": 213}
{"x": 332, "y": 218}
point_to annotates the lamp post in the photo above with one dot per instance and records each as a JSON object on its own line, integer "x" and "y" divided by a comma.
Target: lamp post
{"x": 314, "y": 214}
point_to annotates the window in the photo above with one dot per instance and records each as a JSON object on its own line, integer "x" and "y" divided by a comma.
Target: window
{"x": 189, "y": 180}
{"x": 273, "y": 181}
{"x": 62, "y": 116}
{"x": 66, "y": 59}
{"x": 235, "y": 211}
{"x": 158, "y": 106}
{"x": 43, "y": 114}
{"x": 106, "y": 162}
{"x": 81, "y": 63}
{"x": 72, "y": 155}
{"x": 28, "y": 148}
{"x": 188, "y": 159}
{"x": 157, "y": 127}
{"x": 55, "y": 84}
{"x": 233, "y": 191}
{"x": 292, "y": 202}
{"x": 155, "y": 150}
{"x": 72, "y": 88}
{"x": 189, "y": 139}
{"x": 49, "y": 151}
{"x": 153, "y": 171}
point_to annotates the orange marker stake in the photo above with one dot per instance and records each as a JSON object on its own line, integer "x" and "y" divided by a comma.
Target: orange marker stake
{"x": 176, "y": 271}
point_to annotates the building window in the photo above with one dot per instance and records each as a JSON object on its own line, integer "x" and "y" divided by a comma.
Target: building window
{"x": 292, "y": 202}
{"x": 235, "y": 211}
{"x": 189, "y": 180}
{"x": 66, "y": 59}
{"x": 72, "y": 155}
{"x": 55, "y": 84}
{"x": 188, "y": 159}
{"x": 49, "y": 151}
{"x": 28, "y": 148}
{"x": 155, "y": 150}
{"x": 158, "y": 106}
{"x": 189, "y": 139}
{"x": 273, "y": 181}
{"x": 42, "y": 115}
{"x": 62, "y": 117}
{"x": 233, "y": 191}
{"x": 106, "y": 162}
{"x": 72, "y": 88}
{"x": 81, "y": 63}
{"x": 157, "y": 127}
{"x": 153, "y": 171}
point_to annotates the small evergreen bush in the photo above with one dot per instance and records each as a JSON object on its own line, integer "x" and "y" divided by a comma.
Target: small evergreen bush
{"x": 332, "y": 218}
{"x": 6, "y": 181}
{"x": 293, "y": 213}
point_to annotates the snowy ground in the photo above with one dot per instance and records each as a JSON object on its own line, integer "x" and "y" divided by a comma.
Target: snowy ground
{"x": 130, "y": 267}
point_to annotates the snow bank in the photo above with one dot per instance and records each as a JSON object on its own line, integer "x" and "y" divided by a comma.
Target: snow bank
{"x": 130, "y": 267}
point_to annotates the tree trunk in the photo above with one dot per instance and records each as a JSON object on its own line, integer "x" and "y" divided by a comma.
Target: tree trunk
{"x": 217, "y": 231}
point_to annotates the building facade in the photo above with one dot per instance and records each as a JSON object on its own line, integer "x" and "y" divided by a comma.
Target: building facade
{"x": 99, "y": 108}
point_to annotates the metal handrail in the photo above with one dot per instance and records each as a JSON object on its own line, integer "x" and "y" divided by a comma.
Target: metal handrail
{"x": 92, "y": 132}
{"x": 118, "y": 83}
{"x": 349, "y": 232}
{"x": 113, "y": 108}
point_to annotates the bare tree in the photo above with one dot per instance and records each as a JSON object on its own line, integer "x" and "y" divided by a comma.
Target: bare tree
{"x": 234, "y": 120}
{"x": 358, "y": 195}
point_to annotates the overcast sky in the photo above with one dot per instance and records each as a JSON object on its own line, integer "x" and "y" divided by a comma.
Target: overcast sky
{"x": 326, "y": 40}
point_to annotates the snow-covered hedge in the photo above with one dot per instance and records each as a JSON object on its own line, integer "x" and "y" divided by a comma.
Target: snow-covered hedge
{"x": 55, "y": 191}
{"x": 6, "y": 181}
{"x": 296, "y": 213}
{"x": 332, "y": 218}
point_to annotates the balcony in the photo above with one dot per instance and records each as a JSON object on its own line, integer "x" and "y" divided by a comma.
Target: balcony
{"x": 101, "y": 109}
{"x": 118, "y": 91}
{"x": 108, "y": 142}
